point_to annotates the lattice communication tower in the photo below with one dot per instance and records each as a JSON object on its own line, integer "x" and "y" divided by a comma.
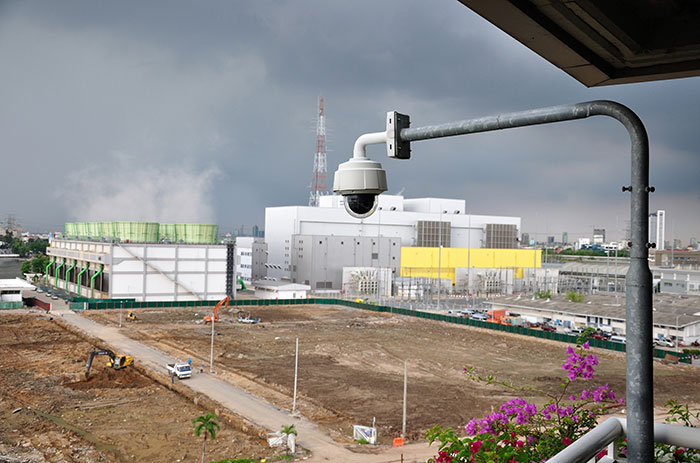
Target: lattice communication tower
{"x": 319, "y": 182}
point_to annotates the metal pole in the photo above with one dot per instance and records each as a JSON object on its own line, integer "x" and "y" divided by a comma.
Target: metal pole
{"x": 121, "y": 309}
{"x": 439, "y": 256}
{"x": 638, "y": 282}
{"x": 211, "y": 354}
{"x": 469, "y": 252}
{"x": 616, "y": 273}
{"x": 296, "y": 370}
{"x": 405, "y": 382}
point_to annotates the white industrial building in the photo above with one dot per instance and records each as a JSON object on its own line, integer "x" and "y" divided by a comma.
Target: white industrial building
{"x": 251, "y": 257}
{"x": 675, "y": 317}
{"x": 142, "y": 271}
{"x": 11, "y": 289}
{"x": 319, "y": 261}
{"x": 267, "y": 289}
{"x": 427, "y": 222}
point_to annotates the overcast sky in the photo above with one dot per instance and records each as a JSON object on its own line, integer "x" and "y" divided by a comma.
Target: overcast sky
{"x": 181, "y": 111}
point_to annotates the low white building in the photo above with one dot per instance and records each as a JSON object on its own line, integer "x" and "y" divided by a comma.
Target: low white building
{"x": 251, "y": 257}
{"x": 675, "y": 317}
{"x": 430, "y": 222}
{"x": 11, "y": 289}
{"x": 269, "y": 289}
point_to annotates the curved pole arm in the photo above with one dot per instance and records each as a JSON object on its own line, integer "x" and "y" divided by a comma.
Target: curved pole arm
{"x": 639, "y": 289}
{"x": 358, "y": 151}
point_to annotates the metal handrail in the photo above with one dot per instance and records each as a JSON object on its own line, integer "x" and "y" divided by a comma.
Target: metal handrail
{"x": 585, "y": 449}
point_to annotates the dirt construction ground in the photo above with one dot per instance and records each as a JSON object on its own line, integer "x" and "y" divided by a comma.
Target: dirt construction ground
{"x": 351, "y": 365}
{"x": 50, "y": 413}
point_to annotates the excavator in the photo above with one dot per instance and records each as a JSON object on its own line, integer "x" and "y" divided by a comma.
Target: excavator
{"x": 218, "y": 305}
{"x": 116, "y": 361}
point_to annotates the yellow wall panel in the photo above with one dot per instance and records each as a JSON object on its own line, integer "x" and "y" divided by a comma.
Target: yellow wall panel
{"x": 418, "y": 261}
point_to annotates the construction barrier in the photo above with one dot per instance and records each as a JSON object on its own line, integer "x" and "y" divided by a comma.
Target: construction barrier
{"x": 11, "y": 305}
{"x": 552, "y": 335}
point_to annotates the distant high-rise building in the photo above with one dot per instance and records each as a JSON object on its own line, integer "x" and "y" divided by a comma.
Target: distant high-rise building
{"x": 657, "y": 229}
{"x": 525, "y": 239}
{"x": 257, "y": 233}
{"x": 694, "y": 243}
{"x": 564, "y": 238}
{"x": 550, "y": 240}
{"x": 677, "y": 243}
{"x": 598, "y": 235}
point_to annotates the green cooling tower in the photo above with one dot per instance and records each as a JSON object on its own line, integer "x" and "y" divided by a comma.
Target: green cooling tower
{"x": 94, "y": 230}
{"x": 136, "y": 231}
{"x": 71, "y": 229}
{"x": 81, "y": 229}
{"x": 143, "y": 232}
{"x": 195, "y": 233}
{"x": 167, "y": 231}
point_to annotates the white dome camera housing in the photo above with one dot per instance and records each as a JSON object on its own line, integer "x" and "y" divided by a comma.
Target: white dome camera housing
{"x": 360, "y": 181}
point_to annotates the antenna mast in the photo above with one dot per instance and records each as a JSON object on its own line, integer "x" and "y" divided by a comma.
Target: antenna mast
{"x": 319, "y": 183}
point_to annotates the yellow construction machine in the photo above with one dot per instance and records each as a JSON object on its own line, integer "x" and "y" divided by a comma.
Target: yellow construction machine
{"x": 116, "y": 361}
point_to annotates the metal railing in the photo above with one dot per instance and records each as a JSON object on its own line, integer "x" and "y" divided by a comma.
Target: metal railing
{"x": 606, "y": 434}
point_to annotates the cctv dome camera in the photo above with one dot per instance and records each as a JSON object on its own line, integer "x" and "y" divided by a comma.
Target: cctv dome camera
{"x": 360, "y": 181}
{"x": 361, "y": 206}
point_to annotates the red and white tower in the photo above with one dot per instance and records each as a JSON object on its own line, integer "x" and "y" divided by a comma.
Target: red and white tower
{"x": 319, "y": 183}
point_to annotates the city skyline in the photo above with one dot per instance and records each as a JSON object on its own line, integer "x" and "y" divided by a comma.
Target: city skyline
{"x": 113, "y": 115}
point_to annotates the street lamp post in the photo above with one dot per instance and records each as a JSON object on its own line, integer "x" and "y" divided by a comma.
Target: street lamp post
{"x": 211, "y": 353}
{"x": 639, "y": 323}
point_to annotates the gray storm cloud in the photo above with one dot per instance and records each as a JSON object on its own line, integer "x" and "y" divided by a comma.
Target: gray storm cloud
{"x": 169, "y": 194}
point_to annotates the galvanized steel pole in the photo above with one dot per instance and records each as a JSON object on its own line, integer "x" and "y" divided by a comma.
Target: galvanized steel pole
{"x": 640, "y": 397}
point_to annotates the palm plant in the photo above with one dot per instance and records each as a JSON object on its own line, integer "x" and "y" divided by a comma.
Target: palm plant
{"x": 207, "y": 425}
{"x": 287, "y": 430}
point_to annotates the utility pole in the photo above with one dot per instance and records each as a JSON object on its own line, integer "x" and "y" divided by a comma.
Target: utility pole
{"x": 211, "y": 354}
{"x": 405, "y": 382}
{"x": 296, "y": 371}
{"x": 439, "y": 257}
{"x": 469, "y": 251}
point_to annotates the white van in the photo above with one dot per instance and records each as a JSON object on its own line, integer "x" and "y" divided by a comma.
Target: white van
{"x": 620, "y": 339}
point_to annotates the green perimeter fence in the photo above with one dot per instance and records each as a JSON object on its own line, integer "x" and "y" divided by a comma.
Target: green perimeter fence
{"x": 554, "y": 336}
{"x": 11, "y": 305}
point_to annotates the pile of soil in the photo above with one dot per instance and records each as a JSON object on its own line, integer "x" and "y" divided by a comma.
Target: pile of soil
{"x": 108, "y": 378}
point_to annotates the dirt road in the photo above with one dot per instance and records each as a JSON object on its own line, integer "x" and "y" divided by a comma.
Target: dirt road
{"x": 242, "y": 403}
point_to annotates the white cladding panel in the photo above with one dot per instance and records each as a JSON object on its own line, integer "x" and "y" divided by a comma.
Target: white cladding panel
{"x": 216, "y": 284}
{"x": 164, "y": 266}
{"x": 217, "y": 266}
{"x": 217, "y": 252}
{"x": 132, "y": 265}
{"x": 126, "y": 284}
{"x": 192, "y": 281}
{"x": 158, "y": 252}
{"x": 119, "y": 252}
{"x": 191, "y": 252}
{"x": 191, "y": 266}
{"x": 131, "y": 250}
{"x": 159, "y": 284}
